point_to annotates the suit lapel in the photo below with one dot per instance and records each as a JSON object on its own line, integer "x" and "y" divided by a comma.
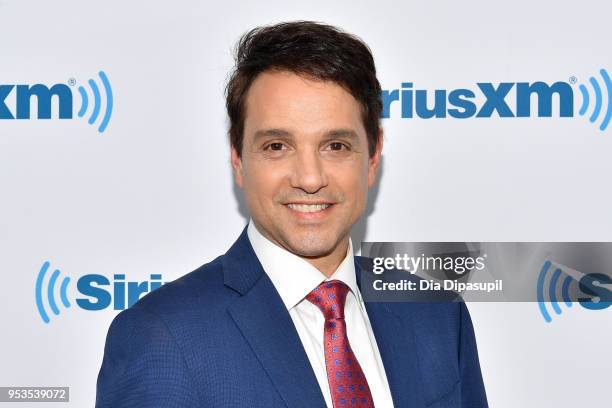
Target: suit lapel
{"x": 395, "y": 338}
{"x": 264, "y": 321}
{"x": 266, "y": 325}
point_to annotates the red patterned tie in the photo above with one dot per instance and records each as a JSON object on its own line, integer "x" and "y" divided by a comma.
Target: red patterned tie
{"x": 347, "y": 383}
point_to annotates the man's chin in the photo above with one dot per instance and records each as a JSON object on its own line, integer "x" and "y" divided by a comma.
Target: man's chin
{"x": 312, "y": 246}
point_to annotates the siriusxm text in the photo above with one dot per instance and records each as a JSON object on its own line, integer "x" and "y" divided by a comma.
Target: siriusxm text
{"x": 43, "y": 97}
{"x": 99, "y": 292}
{"x": 465, "y": 103}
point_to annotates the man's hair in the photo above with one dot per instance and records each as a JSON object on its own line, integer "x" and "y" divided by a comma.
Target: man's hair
{"x": 314, "y": 50}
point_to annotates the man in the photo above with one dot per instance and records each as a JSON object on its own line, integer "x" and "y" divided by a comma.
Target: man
{"x": 278, "y": 320}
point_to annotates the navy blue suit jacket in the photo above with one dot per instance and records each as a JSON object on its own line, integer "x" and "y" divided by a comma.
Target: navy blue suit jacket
{"x": 221, "y": 336}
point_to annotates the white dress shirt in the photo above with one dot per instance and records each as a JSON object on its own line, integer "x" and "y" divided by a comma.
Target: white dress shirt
{"x": 294, "y": 278}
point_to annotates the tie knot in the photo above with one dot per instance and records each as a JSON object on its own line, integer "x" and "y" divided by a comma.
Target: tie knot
{"x": 329, "y": 297}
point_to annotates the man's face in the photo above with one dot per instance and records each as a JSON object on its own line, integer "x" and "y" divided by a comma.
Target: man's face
{"x": 305, "y": 168}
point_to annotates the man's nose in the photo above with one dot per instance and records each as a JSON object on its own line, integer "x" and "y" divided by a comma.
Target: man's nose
{"x": 309, "y": 172}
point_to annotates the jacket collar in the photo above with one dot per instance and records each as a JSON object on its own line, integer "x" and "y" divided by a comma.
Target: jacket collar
{"x": 262, "y": 318}
{"x": 241, "y": 268}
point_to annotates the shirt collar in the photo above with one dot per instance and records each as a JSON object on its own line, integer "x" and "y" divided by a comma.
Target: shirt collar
{"x": 294, "y": 277}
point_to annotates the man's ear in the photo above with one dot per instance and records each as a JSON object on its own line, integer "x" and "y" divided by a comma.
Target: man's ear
{"x": 374, "y": 161}
{"x": 237, "y": 166}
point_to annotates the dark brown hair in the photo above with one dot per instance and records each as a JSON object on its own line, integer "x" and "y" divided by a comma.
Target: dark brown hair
{"x": 315, "y": 50}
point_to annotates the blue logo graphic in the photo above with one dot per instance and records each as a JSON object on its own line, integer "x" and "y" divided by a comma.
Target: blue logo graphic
{"x": 96, "y": 292}
{"x": 598, "y": 98}
{"x": 101, "y": 106}
{"x": 560, "y": 285}
{"x": 465, "y": 103}
{"x": 97, "y": 102}
{"x": 50, "y": 292}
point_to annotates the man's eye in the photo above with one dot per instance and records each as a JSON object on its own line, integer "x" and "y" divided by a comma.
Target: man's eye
{"x": 274, "y": 146}
{"x": 338, "y": 146}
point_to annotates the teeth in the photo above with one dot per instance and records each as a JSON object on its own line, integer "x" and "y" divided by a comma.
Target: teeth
{"x": 308, "y": 208}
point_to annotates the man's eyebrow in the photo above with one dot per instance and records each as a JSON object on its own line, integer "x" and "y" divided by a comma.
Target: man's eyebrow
{"x": 331, "y": 134}
{"x": 344, "y": 133}
{"x": 264, "y": 133}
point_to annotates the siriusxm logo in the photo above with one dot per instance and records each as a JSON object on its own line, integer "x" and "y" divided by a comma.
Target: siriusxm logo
{"x": 95, "y": 292}
{"x": 559, "y": 283}
{"x": 22, "y": 97}
{"x": 465, "y": 103}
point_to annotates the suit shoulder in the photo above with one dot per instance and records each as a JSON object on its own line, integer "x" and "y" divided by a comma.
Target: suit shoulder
{"x": 185, "y": 292}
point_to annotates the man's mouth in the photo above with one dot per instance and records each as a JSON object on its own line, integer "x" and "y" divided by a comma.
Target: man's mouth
{"x": 309, "y": 208}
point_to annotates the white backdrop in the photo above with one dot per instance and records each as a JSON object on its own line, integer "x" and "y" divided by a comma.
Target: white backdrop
{"x": 153, "y": 194}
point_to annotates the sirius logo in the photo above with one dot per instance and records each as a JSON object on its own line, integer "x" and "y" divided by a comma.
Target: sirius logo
{"x": 42, "y": 96}
{"x": 559, "y": 283}
{"x": 95, "y": 292}
{"x": 463, "y": 103}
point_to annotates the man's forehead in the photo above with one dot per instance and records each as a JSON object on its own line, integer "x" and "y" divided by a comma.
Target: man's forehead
{"x": 284, "y": 104}
{"x": 283, "y": 87}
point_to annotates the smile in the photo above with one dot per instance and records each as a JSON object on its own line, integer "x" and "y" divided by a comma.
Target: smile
{"x": 308, "y": 208}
